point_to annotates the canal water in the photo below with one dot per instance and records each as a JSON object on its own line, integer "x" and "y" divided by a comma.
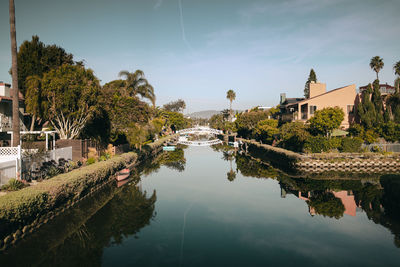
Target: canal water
{"x": 208, "y": 206}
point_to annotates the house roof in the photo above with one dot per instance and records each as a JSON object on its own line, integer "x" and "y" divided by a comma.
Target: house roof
{"x": 21, "y": 97}
{"x": 306, "y": 99}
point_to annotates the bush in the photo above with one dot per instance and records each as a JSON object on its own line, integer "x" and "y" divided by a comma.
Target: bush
{"x": 13, "y": 185}
{"x": 319, "y": 143}
{"x": 90, "y": 161}
{"x": 350, "y": 144}
{"x": 293, "y": 135}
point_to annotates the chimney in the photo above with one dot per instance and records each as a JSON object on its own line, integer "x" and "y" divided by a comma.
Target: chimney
{"x": 317, "y": 89}
{"x": 283, "y": 98}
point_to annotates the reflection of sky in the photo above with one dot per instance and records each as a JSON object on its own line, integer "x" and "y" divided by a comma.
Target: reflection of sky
{"x": 244, "y": 222}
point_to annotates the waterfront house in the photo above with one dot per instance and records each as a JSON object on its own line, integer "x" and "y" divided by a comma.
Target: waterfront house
{"x": 302, "y": 109}
{"x": 6, "y": 112}
{"x": 385, "y": 89}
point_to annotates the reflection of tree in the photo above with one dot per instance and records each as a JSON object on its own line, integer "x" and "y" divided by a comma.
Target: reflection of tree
{"x": 252, "y": 168}
{"x": 174, "y": 159}
{"x": 231, "y": 175}
{"x": 327, "y": 204}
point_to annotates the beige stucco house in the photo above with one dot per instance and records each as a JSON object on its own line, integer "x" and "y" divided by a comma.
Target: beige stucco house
{"x": 302, "y": 109}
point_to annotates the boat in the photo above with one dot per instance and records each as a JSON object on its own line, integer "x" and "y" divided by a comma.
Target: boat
{"x": 169, "y": 148}
{"x": 123, "y": 174}
{"x": 123, "y": 182}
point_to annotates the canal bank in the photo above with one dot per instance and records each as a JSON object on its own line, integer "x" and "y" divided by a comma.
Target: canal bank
{"x": 23, "y": 212}
{"x": 321, "y": 163}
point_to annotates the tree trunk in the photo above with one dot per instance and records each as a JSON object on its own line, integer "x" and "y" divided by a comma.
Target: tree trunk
{"x": 14, "y": 69}
{"x": 33, "y": 123}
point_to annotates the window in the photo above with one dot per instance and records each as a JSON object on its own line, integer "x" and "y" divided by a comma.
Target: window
{"x": 313, "y": 109}
{"x": 350, "y": 109}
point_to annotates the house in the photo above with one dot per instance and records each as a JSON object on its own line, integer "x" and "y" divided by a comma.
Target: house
{"x": 302, "y": 109}
{"x": 6, "y": 112}
{"x": 385, "y": 89}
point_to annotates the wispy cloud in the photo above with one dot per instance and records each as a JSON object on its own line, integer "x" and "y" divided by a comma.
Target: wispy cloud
{"x": 183, "y": 25}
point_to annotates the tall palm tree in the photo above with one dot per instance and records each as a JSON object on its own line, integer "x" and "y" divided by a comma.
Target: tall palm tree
{"x": 396, "y": 68}
{"x": 137, "y": 84}
{"x": 376, "y": 64}
{"x": 231, "y": 95}
{"x": 14, "y": 70}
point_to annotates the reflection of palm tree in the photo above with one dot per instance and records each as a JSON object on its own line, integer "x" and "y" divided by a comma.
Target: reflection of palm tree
{"x": 231, "y": 175}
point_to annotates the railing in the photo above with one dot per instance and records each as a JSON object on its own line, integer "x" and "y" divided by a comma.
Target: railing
{"x": 197, "y": 130}
{"x": 383, "y": 147}
{"x": 5, "y": 123}
{"x": 200, "y": 143}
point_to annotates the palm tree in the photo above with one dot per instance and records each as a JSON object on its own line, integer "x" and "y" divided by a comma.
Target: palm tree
{"x": 376, "y": 64}
{"x": 396, "y": 68}
{"x": 14, "y": 70}
{"x": 231, "y": 95}
{"x": 137, "y": 84}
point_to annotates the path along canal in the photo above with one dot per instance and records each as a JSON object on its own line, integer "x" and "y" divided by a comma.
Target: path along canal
{"x": 207, "y": 207}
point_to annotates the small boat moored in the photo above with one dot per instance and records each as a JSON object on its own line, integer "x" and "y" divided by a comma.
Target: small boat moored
{"x": 123, "y": 174}
{"x": 169, "y": 148}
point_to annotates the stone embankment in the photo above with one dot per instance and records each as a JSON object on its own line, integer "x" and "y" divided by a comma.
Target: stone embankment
{"x": 296, "y": 163}
{"x": 23, "y": 212}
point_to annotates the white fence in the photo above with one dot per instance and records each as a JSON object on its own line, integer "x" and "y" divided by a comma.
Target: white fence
{"x": 7, "y": 171}
{"x": 383, "y": 147}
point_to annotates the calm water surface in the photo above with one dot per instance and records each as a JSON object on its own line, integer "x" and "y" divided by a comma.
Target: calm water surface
{"x": 213, "y": 208}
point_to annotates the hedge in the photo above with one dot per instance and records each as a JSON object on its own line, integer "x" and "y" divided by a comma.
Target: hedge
{"x": 20, "y": 207}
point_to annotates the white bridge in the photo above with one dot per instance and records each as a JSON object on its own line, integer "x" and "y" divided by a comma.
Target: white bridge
{"x": 200, "y": 130}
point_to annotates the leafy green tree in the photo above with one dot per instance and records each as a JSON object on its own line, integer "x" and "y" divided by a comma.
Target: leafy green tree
{"x": 35, "y": 58}
{"x": 69, "y": 97}
{"x": 293, "y": 135}
{"x": 266, "y": 130}
{"x": 376, "y": 65}
{"x": 378, "y": 104}
{"x": 366, "y": 110}
{"x": 175, "y": 106}
{"x": 326, "y": 120}
{"x": 137, "y": 135}
{"x": 177, "y": 121}
{"x": 312, "y": 77}
{"x": 248, "y": 121}
{"x": 391, "y": 131}
{"x": 136, "y": 84}
{"x": 231, "y": 95}
{"x": 33, "y": 98}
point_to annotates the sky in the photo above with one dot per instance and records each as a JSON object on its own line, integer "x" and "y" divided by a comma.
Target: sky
{"x": 197, "y": 50}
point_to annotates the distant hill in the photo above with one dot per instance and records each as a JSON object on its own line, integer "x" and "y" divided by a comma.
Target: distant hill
{"x": 206, "y": 114}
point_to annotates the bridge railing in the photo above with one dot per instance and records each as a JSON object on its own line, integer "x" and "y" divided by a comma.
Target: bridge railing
{"x": 200, "y": 130}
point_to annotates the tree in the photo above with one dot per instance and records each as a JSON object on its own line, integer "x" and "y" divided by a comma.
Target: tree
{"x": 376, "y": 65}
{"x": 326, "y": 120}
{"x": 327, "y": 204}
{"x": 312, "y": 77}
{"x": 177, "y": 121}
{"x": 175, "y": 106}
{"x": 33, "y": 98}
{"x": 396, "y": 68}
{"x": 377, "y": 101}
{"x": 247, "y": 122}
{"x": 70, "y": 97}
{"x": 266, "y": 130}
{"x": 136, "y": 84}
{"x": 366, "y": 110}
{"x": 35, "y": 58}
{"x": 293, "y": 135}
{"x": 137, "y": 135}
{"x": 14, "y": 68}
{"x": 231, "y": 95}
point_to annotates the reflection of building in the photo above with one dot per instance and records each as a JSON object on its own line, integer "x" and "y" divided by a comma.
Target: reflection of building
{"x": 302, "y": 109}
{"x": 346, "y": 197}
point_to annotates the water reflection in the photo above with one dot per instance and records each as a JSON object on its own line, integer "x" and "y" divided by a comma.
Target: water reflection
{"x": 377, "y": 196}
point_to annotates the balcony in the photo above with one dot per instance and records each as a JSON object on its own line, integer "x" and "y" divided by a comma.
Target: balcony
{"x": 5, "y": 123}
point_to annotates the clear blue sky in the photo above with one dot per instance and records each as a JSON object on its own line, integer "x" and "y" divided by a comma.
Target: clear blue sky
{"x": 198, "y": 49}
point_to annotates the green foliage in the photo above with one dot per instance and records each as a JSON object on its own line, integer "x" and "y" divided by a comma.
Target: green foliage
{"x": 137, "y": 135}
{"x": 376, "y": 64}
{"x": 351, "y": 144}
{"x": 327, "y": 204}
{"x": 13, "y": 185}
{"x": 319, "y": 143}
{"x": 366, "y": 110}
{"x": 175, "y": 106}
{"x": 35, "y": 58}
{"x": 136, "y": 84}
{"x": 266, "y": 130}
{"x": 248, "y": 121}
{"x": 177, "y": 120}
{"x": 378, "y": 104}
{"x": 70, "y": 97}
{"x": 326, "y": 120}
{"x": 311, "y": 78}
{"x": 370, "y": 136}
{"x": 90, "y": 161}
{"x": 390, "y": 131}
{"x": 52, "y": 171}
{"x": 293, "y": 135}
{"x": 217, "y": 121}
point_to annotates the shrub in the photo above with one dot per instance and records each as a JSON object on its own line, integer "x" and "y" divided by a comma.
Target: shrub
{"x": 52, "y": 171}
{"x": 350, "y": 144}
{"x": 13, "y": 185}
{"x": 293, "y": 135}
{"x": 90, "y": 161}
{"x": 102, "y": 158}
{"x": 319, "y": 143}
{"x": 326, "y": 120}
